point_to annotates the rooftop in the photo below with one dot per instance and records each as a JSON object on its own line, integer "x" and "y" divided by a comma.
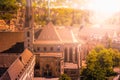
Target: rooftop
{"x": 14, "y": 71}
{"x": 8, "y": 39}
{"x": 70, "y": 66}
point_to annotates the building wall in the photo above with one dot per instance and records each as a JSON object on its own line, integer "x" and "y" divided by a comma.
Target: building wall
{"x": 48, "y": 48}
{"x": 49, "y": 66}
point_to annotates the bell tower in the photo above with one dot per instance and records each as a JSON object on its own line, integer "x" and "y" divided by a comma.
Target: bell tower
{"x": 28, "y": 27}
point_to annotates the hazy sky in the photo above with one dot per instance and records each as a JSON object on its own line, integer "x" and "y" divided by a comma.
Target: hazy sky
{"x": 102, "y": 9}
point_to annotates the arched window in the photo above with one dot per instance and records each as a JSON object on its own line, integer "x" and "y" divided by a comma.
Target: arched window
{"x": 70, "y": 54}
{"x": 76, "y": 52}
{"x": 65, "y": 54}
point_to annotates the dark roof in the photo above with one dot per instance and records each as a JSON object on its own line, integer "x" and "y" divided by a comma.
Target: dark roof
{"x": 7, "y": 59}
{"x": 17, "y": 48}
{"x": 8, "y": 39}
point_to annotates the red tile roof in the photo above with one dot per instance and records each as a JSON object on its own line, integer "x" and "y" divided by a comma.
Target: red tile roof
{"x": 16, "y": 69}
{"x": 49, "y": 34}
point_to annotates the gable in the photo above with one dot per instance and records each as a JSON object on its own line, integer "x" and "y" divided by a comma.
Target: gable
{"x": 49, "y": 33}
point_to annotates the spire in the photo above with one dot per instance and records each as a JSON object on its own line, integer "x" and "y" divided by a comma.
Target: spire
{"x": 28, "y": 14}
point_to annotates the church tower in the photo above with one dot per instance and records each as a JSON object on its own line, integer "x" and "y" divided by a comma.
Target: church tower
{"x": 29, "y": 27}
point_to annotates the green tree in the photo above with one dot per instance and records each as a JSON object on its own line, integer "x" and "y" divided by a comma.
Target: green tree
{"x": 64, "y": 77}
{"x": 7, "y": 9}
{"x": 100, "y": 63}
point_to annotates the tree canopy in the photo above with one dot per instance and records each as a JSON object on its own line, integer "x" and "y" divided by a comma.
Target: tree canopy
{"x": 100, "y": 63}
{"x": 62, "y": 16}
{"x": 64, "y": 77}
{"x": 7, "y": 9}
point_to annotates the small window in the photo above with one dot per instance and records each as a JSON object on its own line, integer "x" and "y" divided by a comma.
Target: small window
{"x": 59, "y": 70}
{"x": 45, "y": 49}
{"x": 51, "y": 48}
{"x": 47, "y": 66}
{"x": 34, "y": 50}
{"x": 28, "y": 45}
{"x": 20, "y": 58}
{"x": 58, "y": 48}
{"x": 28, "y": 34}
{"x": 38, "y": 49}
{"x": 28, "y": 40}
{"x": 37, "y": 66}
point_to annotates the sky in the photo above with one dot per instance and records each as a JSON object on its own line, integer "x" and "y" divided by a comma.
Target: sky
{"x": 102, "y": 9}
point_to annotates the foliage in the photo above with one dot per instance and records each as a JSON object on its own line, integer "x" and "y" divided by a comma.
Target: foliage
{"x": 100, "y": 62}
{"x": 7, "y": 9}
{"x": 64, "y": 77}
{"x": 62, "y": 16}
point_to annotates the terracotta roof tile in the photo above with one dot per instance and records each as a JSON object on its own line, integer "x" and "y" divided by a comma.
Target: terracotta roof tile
{"x": 66, "y": 34}
{"x": 15, "y": 69}
{"x": 26, "y": 56}
{"x": 49, "y": 33}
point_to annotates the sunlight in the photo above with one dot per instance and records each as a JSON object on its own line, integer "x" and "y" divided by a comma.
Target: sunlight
{"x": 103, "y": 9}
{"x": 104, "y": 6}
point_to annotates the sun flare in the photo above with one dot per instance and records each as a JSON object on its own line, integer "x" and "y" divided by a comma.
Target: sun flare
{"x": 104, "y": 6}
{"x": 103, "y": 9}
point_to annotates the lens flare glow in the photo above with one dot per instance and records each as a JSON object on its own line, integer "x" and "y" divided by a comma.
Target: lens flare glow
{"x": 104, "y": 6}
{"x": 103, "y": 9}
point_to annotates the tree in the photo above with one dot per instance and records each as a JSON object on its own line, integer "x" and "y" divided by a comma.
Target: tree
{"x": 100, "y": 63}
{"x": 64, "y": 77}
{"x": 7, "y": 9}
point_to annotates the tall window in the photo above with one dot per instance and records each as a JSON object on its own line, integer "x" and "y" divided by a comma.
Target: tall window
{"x": 38, "y": 49}
{"x": 65, "y": 54}
{"x": 76, "y": 54}
{"x": 70, "y": 53}
{"x": 28, "y": 34}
